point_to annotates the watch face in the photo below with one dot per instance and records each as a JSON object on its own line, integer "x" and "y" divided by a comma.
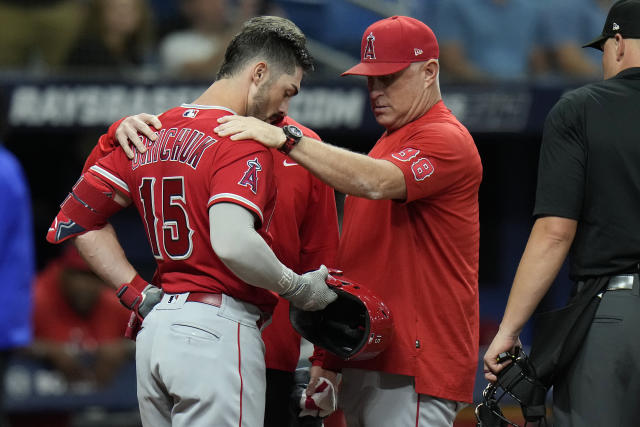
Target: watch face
{"x": 294, "y": 131}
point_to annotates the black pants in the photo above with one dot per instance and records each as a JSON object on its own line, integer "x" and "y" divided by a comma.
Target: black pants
{"x": 602, "y": 384}
{"x": 277, "y": 407}
{"x": 279, "y": 404}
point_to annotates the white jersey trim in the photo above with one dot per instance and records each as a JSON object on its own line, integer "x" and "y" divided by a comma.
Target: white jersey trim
{"x": 208, "y": 107}
{"x": 111, "y": 177}
{"x": 240, "y": 199}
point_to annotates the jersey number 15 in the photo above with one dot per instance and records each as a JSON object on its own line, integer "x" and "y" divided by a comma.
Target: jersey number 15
{"x": 174, "y": 229}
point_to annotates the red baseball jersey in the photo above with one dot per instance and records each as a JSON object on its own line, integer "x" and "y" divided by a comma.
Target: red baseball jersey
{"x": 55, "y": 320}
{"x": 305, "y": 236}
{"x": 421, "y": 255}
{"x": 173, "y": 185}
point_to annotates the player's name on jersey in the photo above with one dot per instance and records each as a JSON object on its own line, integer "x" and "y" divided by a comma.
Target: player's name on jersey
{"x": 182, "y": 145}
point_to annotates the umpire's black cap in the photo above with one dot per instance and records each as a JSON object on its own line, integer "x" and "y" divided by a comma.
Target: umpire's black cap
{"x": 623, "y": 19}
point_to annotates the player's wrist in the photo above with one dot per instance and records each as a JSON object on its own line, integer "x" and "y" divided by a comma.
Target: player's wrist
{"x": 129, "y": 296}
{"x": 130, "y": 293}
{"x": 289, "y": 283}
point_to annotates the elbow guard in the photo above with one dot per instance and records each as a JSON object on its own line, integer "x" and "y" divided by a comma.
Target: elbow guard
{"x": 87, "y": 207}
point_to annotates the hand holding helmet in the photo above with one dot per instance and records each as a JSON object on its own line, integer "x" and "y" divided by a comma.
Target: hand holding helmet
{"x": 356, "y": 326}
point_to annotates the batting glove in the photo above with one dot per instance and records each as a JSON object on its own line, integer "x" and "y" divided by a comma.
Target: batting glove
{"x": 139, "y": 296}
{"x": 310, "y": 291}
{"x": 322, "y": 403}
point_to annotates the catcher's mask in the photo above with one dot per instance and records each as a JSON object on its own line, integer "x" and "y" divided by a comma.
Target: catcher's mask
{"x": 356, "y": 326}
{"x": 518, "y": 379}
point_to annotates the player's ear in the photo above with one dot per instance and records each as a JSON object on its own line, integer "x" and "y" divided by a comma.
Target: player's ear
{"x": 259, "y": 72}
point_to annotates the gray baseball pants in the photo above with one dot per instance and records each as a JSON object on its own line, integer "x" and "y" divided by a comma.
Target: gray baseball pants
{"x": 199, "y": 365}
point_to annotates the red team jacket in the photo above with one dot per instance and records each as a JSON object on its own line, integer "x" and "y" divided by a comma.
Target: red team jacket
{"x": 421, "y": 255}
{"x": 305, "y": 235}
{"x": 173, "y": 184}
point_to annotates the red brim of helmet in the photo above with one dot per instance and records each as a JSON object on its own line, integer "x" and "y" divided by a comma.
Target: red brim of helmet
{"x": 376, "y": 68}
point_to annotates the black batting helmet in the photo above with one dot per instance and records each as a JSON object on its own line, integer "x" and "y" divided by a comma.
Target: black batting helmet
{"x": 356, "y": 326}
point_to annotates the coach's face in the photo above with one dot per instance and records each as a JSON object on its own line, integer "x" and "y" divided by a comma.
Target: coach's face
{"x": 399, "y": 98}
{"x": 270, "y": 100}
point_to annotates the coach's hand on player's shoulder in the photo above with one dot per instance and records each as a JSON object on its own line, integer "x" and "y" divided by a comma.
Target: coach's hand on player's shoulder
{"x": 240, "y": 127}
{"x": 128, "y": 130}
{"x": 310, "y": 291}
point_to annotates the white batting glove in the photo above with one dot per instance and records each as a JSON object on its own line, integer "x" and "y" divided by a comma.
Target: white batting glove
{"x": 310, "y": 291}
{"x": 322, "y": 403}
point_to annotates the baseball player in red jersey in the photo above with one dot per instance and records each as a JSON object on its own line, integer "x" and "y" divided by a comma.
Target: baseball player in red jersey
{"x": 305, "y": 235}
{"x": 206, "y": 205}
{"x": 410, "y": 232}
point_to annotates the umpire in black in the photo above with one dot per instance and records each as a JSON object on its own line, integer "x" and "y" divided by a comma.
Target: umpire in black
{"x": 588, "y": 205}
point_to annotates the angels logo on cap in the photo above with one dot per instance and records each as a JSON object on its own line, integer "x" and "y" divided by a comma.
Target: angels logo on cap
{"x": 369, "y": 51}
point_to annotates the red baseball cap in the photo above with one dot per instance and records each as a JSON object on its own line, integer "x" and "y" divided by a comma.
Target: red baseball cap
{"x": 392, "y": 44}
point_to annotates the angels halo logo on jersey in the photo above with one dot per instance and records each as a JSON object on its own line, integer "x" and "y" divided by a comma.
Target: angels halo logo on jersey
{"x": 250, "y": 177}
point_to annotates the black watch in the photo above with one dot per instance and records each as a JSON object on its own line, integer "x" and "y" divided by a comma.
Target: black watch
{"x": 293, "y": 134}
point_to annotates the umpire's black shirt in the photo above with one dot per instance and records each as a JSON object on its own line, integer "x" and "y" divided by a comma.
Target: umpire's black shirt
{"x": 589, "y": 171}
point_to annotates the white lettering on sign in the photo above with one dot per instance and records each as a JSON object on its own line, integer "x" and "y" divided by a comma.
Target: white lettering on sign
{"x": 91, "y": 105}
{"x": 329, "y": 107}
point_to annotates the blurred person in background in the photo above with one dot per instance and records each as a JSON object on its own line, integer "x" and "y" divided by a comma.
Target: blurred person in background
{"x": 17, "y": 263}
{"x": 78, "y": 330}
{"x": 198, "y": 51}
{"x": 487, "y": 40}
{"x": 78, "y": 325}
{"x": 246, "y": 9}
{"x": 38, "y": 33}
{"x": 117, "y": 36}
{"x": 565, "y": 25}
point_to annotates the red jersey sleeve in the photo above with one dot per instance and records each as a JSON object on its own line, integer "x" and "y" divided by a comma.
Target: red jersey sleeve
{"x": 243, "y": 175}
{"x": 106, "y": 144}
{"x": 433, "y": 160}
{"x": 110, "y": 169}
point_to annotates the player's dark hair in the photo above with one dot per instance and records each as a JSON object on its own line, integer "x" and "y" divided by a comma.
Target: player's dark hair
{"x": 276, "y": 40}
